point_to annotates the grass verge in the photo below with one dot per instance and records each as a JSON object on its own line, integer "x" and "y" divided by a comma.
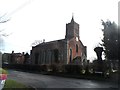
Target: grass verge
{"x": 13, "y": 85}
{"x": 3, "y": 71}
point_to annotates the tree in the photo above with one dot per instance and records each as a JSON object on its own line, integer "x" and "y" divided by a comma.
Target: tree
{"x": 3, "y": 19}
{"x": 37, "y": 42}
{"x": 110, "y": 40}
{"x": 26, "y": 58}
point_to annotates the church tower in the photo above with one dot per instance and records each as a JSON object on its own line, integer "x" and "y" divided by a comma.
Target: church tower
{"x": 72, "y": 30}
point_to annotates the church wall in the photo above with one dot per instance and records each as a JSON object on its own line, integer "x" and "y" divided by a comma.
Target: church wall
{"x": 72, "y": 45}
{"x": 46, "y": 52}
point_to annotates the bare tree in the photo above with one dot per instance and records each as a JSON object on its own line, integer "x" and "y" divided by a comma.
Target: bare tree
{"x": 3, "y": 19}
{"x": 37, "y": 42}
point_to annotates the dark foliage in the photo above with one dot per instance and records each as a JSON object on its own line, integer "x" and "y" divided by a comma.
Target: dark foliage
{"x": 110, "y": 40}
{"x": 27, "y": 56}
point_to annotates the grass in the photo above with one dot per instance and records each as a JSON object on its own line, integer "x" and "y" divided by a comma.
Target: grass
{"x": 11, "y": 84}
{"x": 3, "y": 71}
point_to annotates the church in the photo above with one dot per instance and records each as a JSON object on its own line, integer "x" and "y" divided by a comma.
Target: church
{"x": 69, "y": 50}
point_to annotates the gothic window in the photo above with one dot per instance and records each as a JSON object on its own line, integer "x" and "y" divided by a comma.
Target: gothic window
{"x": 76, "y": 48}
{"x": 40, "y": 58}
{"x": 70, "y": 55}
{"x": 56, "y": 55}
{"x": 36, "y": 58}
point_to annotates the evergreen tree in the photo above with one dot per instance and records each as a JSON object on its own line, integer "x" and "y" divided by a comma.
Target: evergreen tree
{"x": 110, "y": 40}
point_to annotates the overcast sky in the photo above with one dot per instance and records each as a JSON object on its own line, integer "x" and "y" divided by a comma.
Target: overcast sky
{"x": 32, "y": 20}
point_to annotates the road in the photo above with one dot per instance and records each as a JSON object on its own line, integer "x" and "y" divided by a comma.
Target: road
{"x": 49, "y": 81}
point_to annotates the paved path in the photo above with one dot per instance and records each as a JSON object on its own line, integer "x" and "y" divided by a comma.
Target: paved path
{"x": 48, "y": 81}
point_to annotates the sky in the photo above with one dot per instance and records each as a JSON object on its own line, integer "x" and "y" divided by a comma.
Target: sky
{"x": 32, "y": 20}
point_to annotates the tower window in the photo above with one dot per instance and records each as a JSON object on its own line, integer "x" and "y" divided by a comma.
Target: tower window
{"x": 76, "y": 48}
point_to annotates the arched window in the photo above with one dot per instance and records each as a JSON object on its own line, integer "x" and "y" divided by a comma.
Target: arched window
{"x": 36, "y": 58}
{"x": 70, "y": 55}
{"x": 76, "y": 48}
{"x": 56, "y": 55}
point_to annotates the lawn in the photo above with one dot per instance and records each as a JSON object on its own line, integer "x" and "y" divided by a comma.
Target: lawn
{"x": 11, "y": 84}
{"x": 3, "y": 71}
